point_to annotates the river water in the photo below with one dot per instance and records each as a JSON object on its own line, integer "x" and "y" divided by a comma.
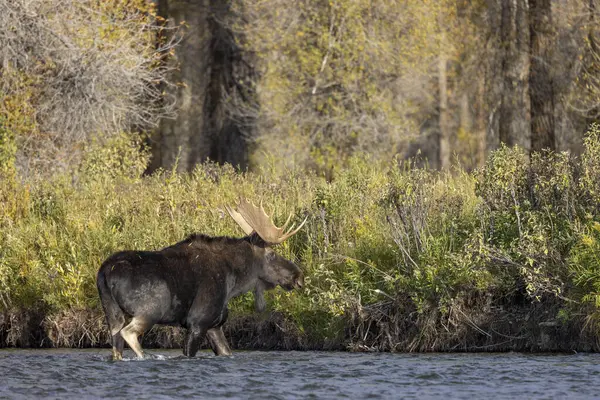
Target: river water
{"x": 165, "y": 374}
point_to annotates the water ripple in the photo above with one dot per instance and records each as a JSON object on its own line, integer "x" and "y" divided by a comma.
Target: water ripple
{"x": 89, "y": 374}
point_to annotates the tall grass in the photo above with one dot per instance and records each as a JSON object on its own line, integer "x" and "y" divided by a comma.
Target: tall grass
{"x": 396, "y": 257}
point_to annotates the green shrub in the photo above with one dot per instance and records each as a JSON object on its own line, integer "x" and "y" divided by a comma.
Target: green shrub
{"x": 375, "y": 232}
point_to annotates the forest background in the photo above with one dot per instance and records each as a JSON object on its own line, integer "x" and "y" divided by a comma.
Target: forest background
{"x": 445, "y": 154}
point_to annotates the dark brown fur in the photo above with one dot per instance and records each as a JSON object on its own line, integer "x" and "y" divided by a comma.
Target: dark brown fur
{"x": 188, "y": 284}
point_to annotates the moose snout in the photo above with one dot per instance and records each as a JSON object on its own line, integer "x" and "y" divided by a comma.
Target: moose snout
{"x": 299, "y": 282}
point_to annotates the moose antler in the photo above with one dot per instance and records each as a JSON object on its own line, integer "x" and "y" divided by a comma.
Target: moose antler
{"x": 254, "y": 219}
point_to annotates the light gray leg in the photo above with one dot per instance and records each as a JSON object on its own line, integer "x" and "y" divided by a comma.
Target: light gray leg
{"x": 218, "y": 343}
{"x": 130, "y": 333}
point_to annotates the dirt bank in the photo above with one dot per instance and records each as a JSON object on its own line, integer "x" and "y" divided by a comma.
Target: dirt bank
{"x": 388, "y": 326}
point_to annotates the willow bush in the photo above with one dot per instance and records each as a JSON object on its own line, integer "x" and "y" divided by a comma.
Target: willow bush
{"x": 435, "y": 250}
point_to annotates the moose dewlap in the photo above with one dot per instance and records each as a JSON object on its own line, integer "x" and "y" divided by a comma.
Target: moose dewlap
{"x": 190, "y": 283}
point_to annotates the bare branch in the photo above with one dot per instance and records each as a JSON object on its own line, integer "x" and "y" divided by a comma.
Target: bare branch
{"x": 90, "y": 72}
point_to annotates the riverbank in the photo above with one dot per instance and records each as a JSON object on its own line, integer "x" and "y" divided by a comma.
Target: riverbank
{"x": 388, "y": 326}
{"x": 396, "y": 258}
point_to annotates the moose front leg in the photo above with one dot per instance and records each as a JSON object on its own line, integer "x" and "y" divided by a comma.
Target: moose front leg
{"x": 193, "y": 340}
{"x": 218, "y": 342}
{"x": 259, "y": 299}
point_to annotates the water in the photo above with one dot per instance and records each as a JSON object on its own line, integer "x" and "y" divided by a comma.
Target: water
{"x": 87, "y": 374}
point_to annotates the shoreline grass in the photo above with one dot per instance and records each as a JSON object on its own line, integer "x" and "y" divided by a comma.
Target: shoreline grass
{"x": 396, "y": 258}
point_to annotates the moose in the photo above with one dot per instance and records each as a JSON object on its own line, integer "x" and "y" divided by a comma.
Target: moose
{"x": 190, "y": 283}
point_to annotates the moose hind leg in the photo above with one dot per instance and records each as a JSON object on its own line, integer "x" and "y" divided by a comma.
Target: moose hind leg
{"x": 132, "y": 331}
{"x": 117, "y": 346}
{"x": 218, "y": 342}
{"x": 192, "y": 341}
{"x": 116, "y": 320}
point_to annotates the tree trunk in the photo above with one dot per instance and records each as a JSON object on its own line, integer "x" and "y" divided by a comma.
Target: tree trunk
{"x": 231, "y": 101}
{"x": 541, "y": 83}
{"x": 444, "y": 120}
{"x": 181, "y": 140}
{"x": 514, "y": 124}
{"x": 206, "y": 71}
{"x": 481, "y": 124}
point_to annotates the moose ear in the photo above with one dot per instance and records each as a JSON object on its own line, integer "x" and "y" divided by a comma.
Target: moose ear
{"x": 256, "y": 240}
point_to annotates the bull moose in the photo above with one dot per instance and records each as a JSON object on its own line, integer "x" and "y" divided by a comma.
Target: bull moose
{"x": 190, "y": 283}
